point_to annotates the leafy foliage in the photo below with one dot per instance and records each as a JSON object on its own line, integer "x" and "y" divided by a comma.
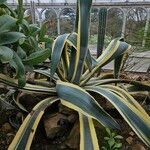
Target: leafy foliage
{"x": 112, "y": 141}
{"x": 72, "y": 73}
{"x": 20, "y": 41}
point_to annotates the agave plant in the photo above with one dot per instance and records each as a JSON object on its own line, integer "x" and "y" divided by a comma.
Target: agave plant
{"x": 72, "y": 70}
{"x": 19, "y": 41}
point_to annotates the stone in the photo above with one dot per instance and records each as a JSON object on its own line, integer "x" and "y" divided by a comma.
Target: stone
{"x": 72, "y": 118}
{"x": 129, "y": 140}
{"x": 54, "y": 124}
{"x": 138, "y": 147}
{"x": 74, "y": 137}
{"x": 6, "y": 127}
{"x": 132, "y": 133}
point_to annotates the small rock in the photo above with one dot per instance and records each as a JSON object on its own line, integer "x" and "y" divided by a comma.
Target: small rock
{"x": 131, "y": 133}
{"x": 138, "y": 147}
{"x": 6, "y": 128}
{"x": 53, "y": 124}
{"x": 74, "y": 137}
{"x": 72, "y": 118}
{"x": 129, "y": 140}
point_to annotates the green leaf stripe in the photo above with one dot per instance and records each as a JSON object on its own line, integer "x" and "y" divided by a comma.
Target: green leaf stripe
{"x": 28, "y": 87}
{"x": 84, "y": 102}
{"x": 37, "y": 57}
{"x": 25, "y": 134}
{"x": 115, "y": 49}
{"x": 137, "y": 121}
{"x": 82, "y": 41}
{"x": 88, "y": 138}
{"x": 57, "y": 49}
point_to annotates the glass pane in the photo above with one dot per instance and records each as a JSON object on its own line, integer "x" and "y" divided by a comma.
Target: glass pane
{"x": 74, "y": 1}
{"x": 67, "y": 20}
{"x": 135, "y": 26}
{"x": 50, "y": 16}
{"x": 114, "y": 23}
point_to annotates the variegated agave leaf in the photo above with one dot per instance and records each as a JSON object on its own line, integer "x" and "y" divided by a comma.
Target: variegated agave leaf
{"x": 72, "y": 69}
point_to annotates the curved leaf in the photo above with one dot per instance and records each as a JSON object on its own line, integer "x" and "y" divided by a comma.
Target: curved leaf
{"x": 34, "y": 30}
{"x": 88, "y": 138}
{"x": 10, "y": 37}
{"x": 71, "y": 63}
{"x": 127, "y": 96}
{"x": 65, "y": 60}
{"x": 57, "y": 49}
{"x": 37, "y": 57}
{"x": 137, "y": 86}
{"x": 21, "y": 53}
{"x": 47, "y": 73}
{"x": 7, "y": 23}
{"x": 32, "y": 43}
{"x": 114, "y": 50}
{"x": 29, "y": 88}
{"x": 13, "y": 13}
{"x": 137, "y": 120}
{"x": 16, "y": 100}
{"x": 6, "y": 54}
{"x": 19, "y": 67}
{"x": 25, "y": 134}
{"x": 90, "y": 60}
{"x": 78, "y": 99}
{"x": 84, "y": 7}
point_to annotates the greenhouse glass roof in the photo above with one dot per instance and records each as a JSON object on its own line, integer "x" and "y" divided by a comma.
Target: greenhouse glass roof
{"x": 73, "y": 1}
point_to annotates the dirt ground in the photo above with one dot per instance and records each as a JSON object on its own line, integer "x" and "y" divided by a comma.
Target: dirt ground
{"x": 41, "y": 142}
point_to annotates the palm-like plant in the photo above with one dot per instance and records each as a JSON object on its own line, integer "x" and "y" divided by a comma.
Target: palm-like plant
{"x": 72, "y": 70}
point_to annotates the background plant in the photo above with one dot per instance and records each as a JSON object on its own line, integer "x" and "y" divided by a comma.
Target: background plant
{"x": 72, "y": 72}
{"x": 112, "y": 141}
{"x": 101, "y": 30}
{"x": 20, "y": 41}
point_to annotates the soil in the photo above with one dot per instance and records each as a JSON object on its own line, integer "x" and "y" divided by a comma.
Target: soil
{"x": 41, "y": 142}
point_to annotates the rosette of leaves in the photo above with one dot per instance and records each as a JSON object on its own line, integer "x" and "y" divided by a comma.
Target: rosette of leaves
{"x": 19, "y": 41}
{"x": 72, "y": 71}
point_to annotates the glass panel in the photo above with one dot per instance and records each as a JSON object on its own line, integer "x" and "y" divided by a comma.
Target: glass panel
{"x": 114, "y": 23}
{"x": 50, "y": 16}
{"x": 135, "y": 26}
{"x": 74, "y": 1}
{"x": 93, "y": 27}
{"x": 67, "y": 20}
